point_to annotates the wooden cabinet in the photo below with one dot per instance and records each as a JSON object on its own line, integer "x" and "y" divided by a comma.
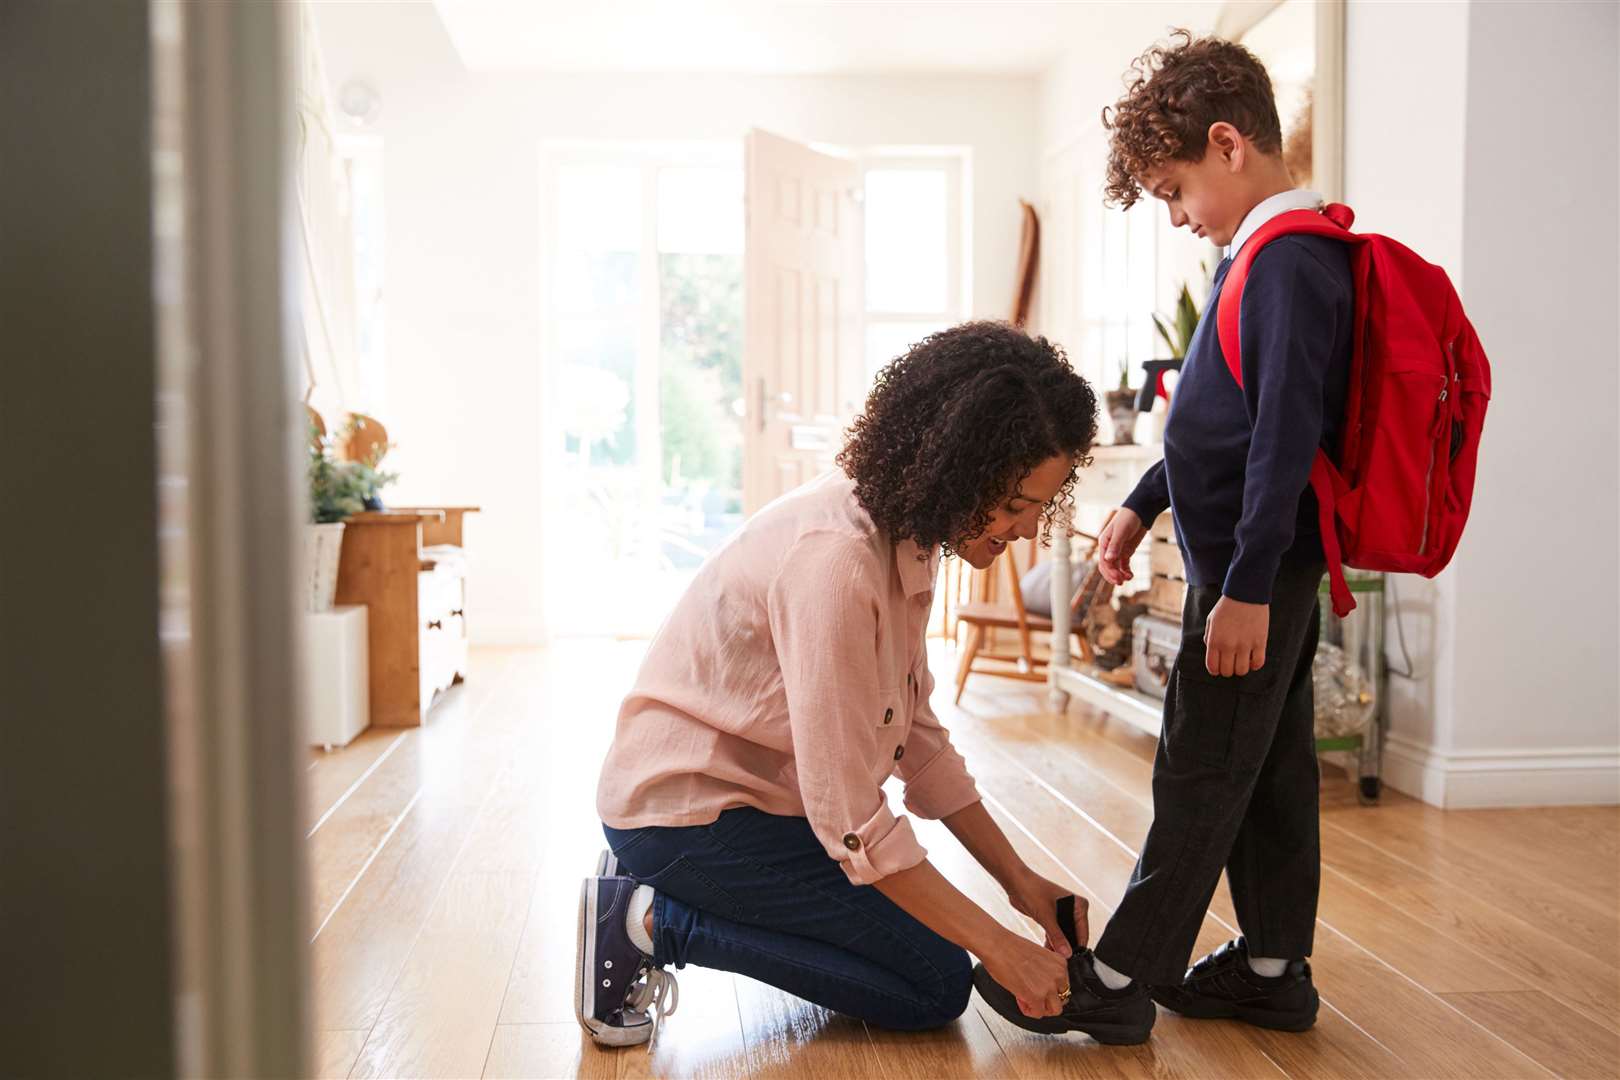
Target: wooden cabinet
{"x": 408, "y": 567}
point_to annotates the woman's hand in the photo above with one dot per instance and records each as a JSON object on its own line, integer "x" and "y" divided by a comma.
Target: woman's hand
{"x": 1037, "y": 977}
{"x": 1117, "y": 543}
{"x": 1036, "y": 897}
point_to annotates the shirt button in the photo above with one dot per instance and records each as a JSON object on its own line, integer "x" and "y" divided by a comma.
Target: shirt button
{"x": 852, "y": 842}
{"x": 899, "y": 752}
{"x": 888, "y": 716}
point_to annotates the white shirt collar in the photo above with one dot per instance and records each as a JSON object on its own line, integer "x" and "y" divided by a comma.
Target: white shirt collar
{"x": 1280, "y": 203}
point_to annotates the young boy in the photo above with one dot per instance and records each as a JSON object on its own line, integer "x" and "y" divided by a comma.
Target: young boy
{"x": 1235, "y": 778}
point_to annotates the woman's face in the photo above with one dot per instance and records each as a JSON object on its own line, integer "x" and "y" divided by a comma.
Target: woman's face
{"x": 1019, "y": 513}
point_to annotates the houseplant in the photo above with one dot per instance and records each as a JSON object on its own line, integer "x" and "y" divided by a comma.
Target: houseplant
{"x": 337, "y": 489}
{"x": 1122, "y": 407}
{"x": 1178, "y": 337}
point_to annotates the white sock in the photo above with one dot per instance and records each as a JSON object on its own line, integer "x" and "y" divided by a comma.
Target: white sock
{"x": 1110, "y": 978}
{"x": 634, "y": 918}
{"x": 1267, "y": 967}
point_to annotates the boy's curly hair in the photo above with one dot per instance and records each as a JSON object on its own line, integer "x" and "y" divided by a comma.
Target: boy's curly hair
{"x": 1173, "y": 93}
{"x": 956, "y": 422}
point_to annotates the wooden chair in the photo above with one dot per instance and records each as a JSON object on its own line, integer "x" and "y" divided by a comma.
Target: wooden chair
{"x": 984, "y": 617}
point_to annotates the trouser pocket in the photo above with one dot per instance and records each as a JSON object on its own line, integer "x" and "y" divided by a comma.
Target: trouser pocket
{"x": 1209, "y": 712}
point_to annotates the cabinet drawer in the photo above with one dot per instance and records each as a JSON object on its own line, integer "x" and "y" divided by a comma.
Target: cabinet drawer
{"x": 1113, "y": 473}
{"x": 1106, "y": 482}
{"x": 438, "y": 596}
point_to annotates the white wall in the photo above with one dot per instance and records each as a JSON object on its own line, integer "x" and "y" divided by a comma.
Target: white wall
{"x": 463, "y": 220}
{"x": 1537, "y": 628}
{"x": 1405, "y": 92}
{"x": 1461, "y": 142}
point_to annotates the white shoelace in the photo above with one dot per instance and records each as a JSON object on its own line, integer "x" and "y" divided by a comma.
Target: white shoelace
{"x": 660, "y": 996}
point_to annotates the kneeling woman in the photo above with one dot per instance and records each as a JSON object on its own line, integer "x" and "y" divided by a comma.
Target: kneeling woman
{"x": 742, "y": 797}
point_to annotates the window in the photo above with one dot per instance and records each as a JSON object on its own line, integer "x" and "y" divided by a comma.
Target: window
{"x": 642, "y": 336}
{"x": 916, "y": 281}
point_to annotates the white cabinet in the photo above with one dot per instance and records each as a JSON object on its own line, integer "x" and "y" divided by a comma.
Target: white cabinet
{"x": 337, "y": 701}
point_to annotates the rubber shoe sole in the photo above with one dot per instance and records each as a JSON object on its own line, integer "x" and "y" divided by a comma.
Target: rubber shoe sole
{"x": 1207, "y": 1008}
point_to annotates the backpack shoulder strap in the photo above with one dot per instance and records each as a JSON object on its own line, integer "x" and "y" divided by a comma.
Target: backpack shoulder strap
{"x": 1334, "y": 221}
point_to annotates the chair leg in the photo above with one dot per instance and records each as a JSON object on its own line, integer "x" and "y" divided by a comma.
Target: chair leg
{"x": 965, "y": 668}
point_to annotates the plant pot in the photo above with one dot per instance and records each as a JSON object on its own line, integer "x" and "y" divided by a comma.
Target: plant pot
{"x": 323, "y": 548}
{"x": 1122, "y": 410}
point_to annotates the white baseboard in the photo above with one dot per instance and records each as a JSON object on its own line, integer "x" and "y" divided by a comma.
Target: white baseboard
{"x": 499, "y": 630}
{"x": 1475, "y": 779}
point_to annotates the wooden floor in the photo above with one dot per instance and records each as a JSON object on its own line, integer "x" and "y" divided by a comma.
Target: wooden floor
{"x": 446, "y": 862}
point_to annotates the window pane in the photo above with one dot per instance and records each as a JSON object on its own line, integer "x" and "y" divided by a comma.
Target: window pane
{"x": 596, "y": 390}
{"x": 700, "y": 397}
{"x": 906, "y": 240}
{"x": 599, "y": 208}
{"x": 700, "y": 211}
{"x": 887, "y": 340}
{"x": 596, "y": 282}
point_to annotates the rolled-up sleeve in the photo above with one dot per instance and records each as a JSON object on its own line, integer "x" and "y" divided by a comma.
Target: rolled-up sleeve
{"x": 824, "y": 617}
{"x": 937, "y": 780}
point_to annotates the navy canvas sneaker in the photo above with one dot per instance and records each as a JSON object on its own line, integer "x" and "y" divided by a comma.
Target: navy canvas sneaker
{"x": 619, "y": 996}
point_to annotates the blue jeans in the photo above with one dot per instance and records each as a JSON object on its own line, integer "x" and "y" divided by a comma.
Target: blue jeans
{"x": 757, "y": 894}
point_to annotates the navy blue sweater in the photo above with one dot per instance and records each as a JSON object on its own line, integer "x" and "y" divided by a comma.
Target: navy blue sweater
{"x": 1237, "y": 462}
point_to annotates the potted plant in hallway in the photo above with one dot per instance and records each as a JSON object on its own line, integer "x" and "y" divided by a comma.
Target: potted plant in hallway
{"x": 337, "y": 489}
{"x": 1122, "y": 407}
{"x": 1177, "y": 337}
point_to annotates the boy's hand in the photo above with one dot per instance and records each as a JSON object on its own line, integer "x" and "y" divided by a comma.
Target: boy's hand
{"x": 1235, "y": 637}
{"x": 1120, "y": 536}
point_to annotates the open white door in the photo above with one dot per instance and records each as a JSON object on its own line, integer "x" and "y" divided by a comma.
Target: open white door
{"x": 802, "y": 365}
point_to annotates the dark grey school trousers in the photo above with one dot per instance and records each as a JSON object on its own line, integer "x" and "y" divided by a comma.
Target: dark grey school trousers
{"x": 1235, "y": 784}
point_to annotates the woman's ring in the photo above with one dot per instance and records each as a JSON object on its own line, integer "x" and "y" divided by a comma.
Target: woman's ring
{"x": 1063, "y": 994}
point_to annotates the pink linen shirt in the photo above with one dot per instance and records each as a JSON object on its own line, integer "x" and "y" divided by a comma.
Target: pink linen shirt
{"x": 793, "y": 677}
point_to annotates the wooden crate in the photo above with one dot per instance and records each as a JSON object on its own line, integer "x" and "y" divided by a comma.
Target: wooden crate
{"x": 1166, "y": 596}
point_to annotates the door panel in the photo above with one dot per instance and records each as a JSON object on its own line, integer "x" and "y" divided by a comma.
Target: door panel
{"x": 802, "y": 355}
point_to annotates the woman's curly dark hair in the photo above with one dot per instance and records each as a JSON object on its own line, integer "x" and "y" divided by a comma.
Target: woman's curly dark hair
{"x": 952, "y": 427}
{"x": 1173, "y": 93}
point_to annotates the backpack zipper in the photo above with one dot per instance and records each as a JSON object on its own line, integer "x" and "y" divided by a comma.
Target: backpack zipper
{"x": 1434, "y": 447}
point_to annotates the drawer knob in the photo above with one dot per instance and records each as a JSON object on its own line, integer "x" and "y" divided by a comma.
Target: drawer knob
{"x": 458, "y": 613}
{"x": 435, "y": 624}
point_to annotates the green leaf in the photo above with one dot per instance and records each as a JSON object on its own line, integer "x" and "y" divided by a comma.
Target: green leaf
{"x": 1164, "y": 334}
{"x": 1186, "y": 319}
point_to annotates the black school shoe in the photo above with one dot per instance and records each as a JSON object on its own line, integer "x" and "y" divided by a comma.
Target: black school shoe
{"x": 619, "y": 996}
{"x": 1116, "y": 1017}
{"x": 1223, "y": 986}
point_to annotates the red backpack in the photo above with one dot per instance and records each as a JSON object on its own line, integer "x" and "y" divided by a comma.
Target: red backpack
{"x": 1396, "y": 495}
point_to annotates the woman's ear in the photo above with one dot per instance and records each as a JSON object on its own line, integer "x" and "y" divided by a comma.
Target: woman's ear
{"x": 1228, "y": 142}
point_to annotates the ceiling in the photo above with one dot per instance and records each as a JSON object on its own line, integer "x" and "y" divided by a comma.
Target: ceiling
{"x": 807, "y": 37}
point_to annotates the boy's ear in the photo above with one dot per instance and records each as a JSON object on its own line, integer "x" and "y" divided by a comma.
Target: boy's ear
{"x": 1228, "y": 142}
